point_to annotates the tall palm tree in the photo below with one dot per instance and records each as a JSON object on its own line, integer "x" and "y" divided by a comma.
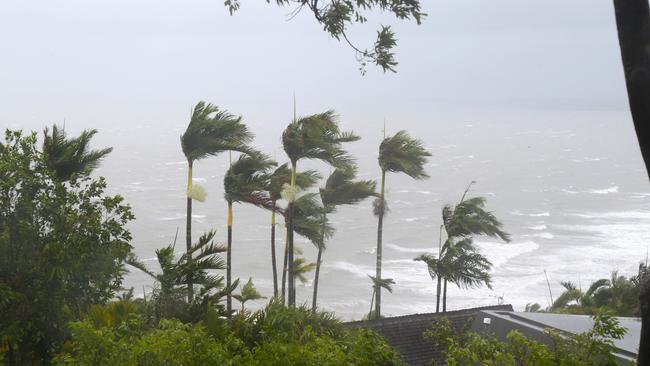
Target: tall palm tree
{"x": 279, "y": 178}
{"x": 399, "y": 153}
{"x": 71, "y": 157}
{"x": 340, "y": 189}
{"x": 468, "y": 219}
{"x": 246, "y": 181}
{"x": 210, "y": 132}
{"x": 377, "y": 284}
{"x": 301, "y": 269}
{"x": 312, "y": 137}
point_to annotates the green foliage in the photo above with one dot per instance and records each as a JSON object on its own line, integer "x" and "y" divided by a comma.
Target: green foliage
{"x": 592, "y": 348}
{"x": 247, "y": 180}
{"x": 342, "y": 189}
{"x": 63, "y": 246}
{"x": 401, "y": 153}
{"x": 248, "y": 292}
{"x": 68, "y": 157}
{"x": 212, "y": 131}
{"x": 617, "y": 294}
{"x": 317, "y": 137}
{"x": 169, "y": 298}
{"x": 336, "y": 16}
{"x": 282, "y": 176}
{"x": 276, "y": 335}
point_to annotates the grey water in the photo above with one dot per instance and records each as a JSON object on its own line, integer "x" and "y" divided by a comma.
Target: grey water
{"x": 568, "y": 185}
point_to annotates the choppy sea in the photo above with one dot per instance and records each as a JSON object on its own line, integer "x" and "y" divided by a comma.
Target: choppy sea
{"x": 568, "y": 185}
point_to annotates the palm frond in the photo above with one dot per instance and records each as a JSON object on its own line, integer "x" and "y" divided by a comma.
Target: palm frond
{"x": 317, "y": 137}
{"x": 341, "y": 188}
{"x": 401, "y": 153}
{"x": 386, "y": 283}
{"x": 212, "y": 131}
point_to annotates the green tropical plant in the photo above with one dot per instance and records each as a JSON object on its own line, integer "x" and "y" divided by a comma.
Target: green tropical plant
{"x": 461, "y": 222}
{"x": 170, "y": 298}
{"x": 280, "y": 177}
{"x": 248, "y": 293}
{"x": 377, "y": 285}
{"x": 210, "y": 132}
{"x": 246, "y": 181}
{"x": 340, "y": 189}
{"x": 63, "y": 248}
{"x": 70, "y": 157}
{"x": 312, "y": 137}
{"x": 399, "y": 153}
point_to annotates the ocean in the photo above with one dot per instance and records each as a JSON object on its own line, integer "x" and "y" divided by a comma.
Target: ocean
{"x": 569, "y": 185}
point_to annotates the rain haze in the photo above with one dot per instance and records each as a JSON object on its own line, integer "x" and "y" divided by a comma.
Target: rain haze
{"x": 525, "y": 98}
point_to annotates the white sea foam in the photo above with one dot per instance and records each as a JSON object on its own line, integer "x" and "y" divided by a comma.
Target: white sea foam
{"x": 613, "y": 189}
{"x": 176, "y": 163}
{"x": 538, "y": 227}
{"x": 405, "y": 249}
{"x": 636, "y": 215}
{"x": 540, "y": 214}
{"x": 539, "y": 235}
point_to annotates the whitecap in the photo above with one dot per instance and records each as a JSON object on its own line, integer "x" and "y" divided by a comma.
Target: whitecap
{"x": 613, "y": 189}
{"x": 541, "y": 214}
{"x": 176, "y": 163}
{"x": 539, "y": 235}
{"x": 405, "y": 249}
{"x": 538, "y": 227}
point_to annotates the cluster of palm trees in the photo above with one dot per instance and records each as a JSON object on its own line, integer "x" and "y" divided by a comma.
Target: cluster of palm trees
{"x": 255, "y": 179}
{"x": 617, "y": 294}
{"x": 459, "y": 260}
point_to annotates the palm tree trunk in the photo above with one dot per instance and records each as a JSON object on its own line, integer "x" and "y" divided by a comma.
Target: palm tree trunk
{"x": 292, "y": 290}
{"x": 284, "y": 267}
{"x": 273, "y": 263}
{"x": 632, "y": 22}
{"x": 188, "y": 227}
{"x": 318, "y": 260}
{"x": 438, "y": 288}
{"x": 444, "y": 298}
{"x": 229, "y": 262}
{"x": 380, "y": 225}
{"x": 372, "y": 299}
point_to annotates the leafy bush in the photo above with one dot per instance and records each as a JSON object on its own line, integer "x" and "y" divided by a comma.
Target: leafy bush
{"x": 63, "y": 246}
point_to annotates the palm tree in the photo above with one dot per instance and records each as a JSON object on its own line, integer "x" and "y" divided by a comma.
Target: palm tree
{"x": 340, "y": 189}
{"x": 210, "y": 132}
{"x": 248, "y": 293}
{"x": 312, "y": 137}
{"x": 279, "y": 178}
{"x": 399, "y": 153}
{"x": 71, "y": 157}
{"x": 377, "y": 285}
{"x": 246, "y": 181}
{"x": 459, "y": 263}
{"x": 171, "y": 297}
{"x": 465, "y": 220}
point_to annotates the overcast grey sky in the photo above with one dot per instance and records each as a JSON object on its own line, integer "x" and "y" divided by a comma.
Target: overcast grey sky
{"x": 122, "y": 61}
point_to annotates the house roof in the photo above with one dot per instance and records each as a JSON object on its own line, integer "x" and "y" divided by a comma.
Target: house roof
{"x": 405, "y": 332}
{"x": 534, "y": 324}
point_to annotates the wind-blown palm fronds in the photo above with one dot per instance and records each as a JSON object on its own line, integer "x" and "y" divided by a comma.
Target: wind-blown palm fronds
{"x": 71, "y": 157}
{"x": 210, "y": 132}
{"x": 312, "y": 137}
{"x": 399, "y": 153}
{"x": 247, "y": 181}
{"x": 340, "y": 189}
